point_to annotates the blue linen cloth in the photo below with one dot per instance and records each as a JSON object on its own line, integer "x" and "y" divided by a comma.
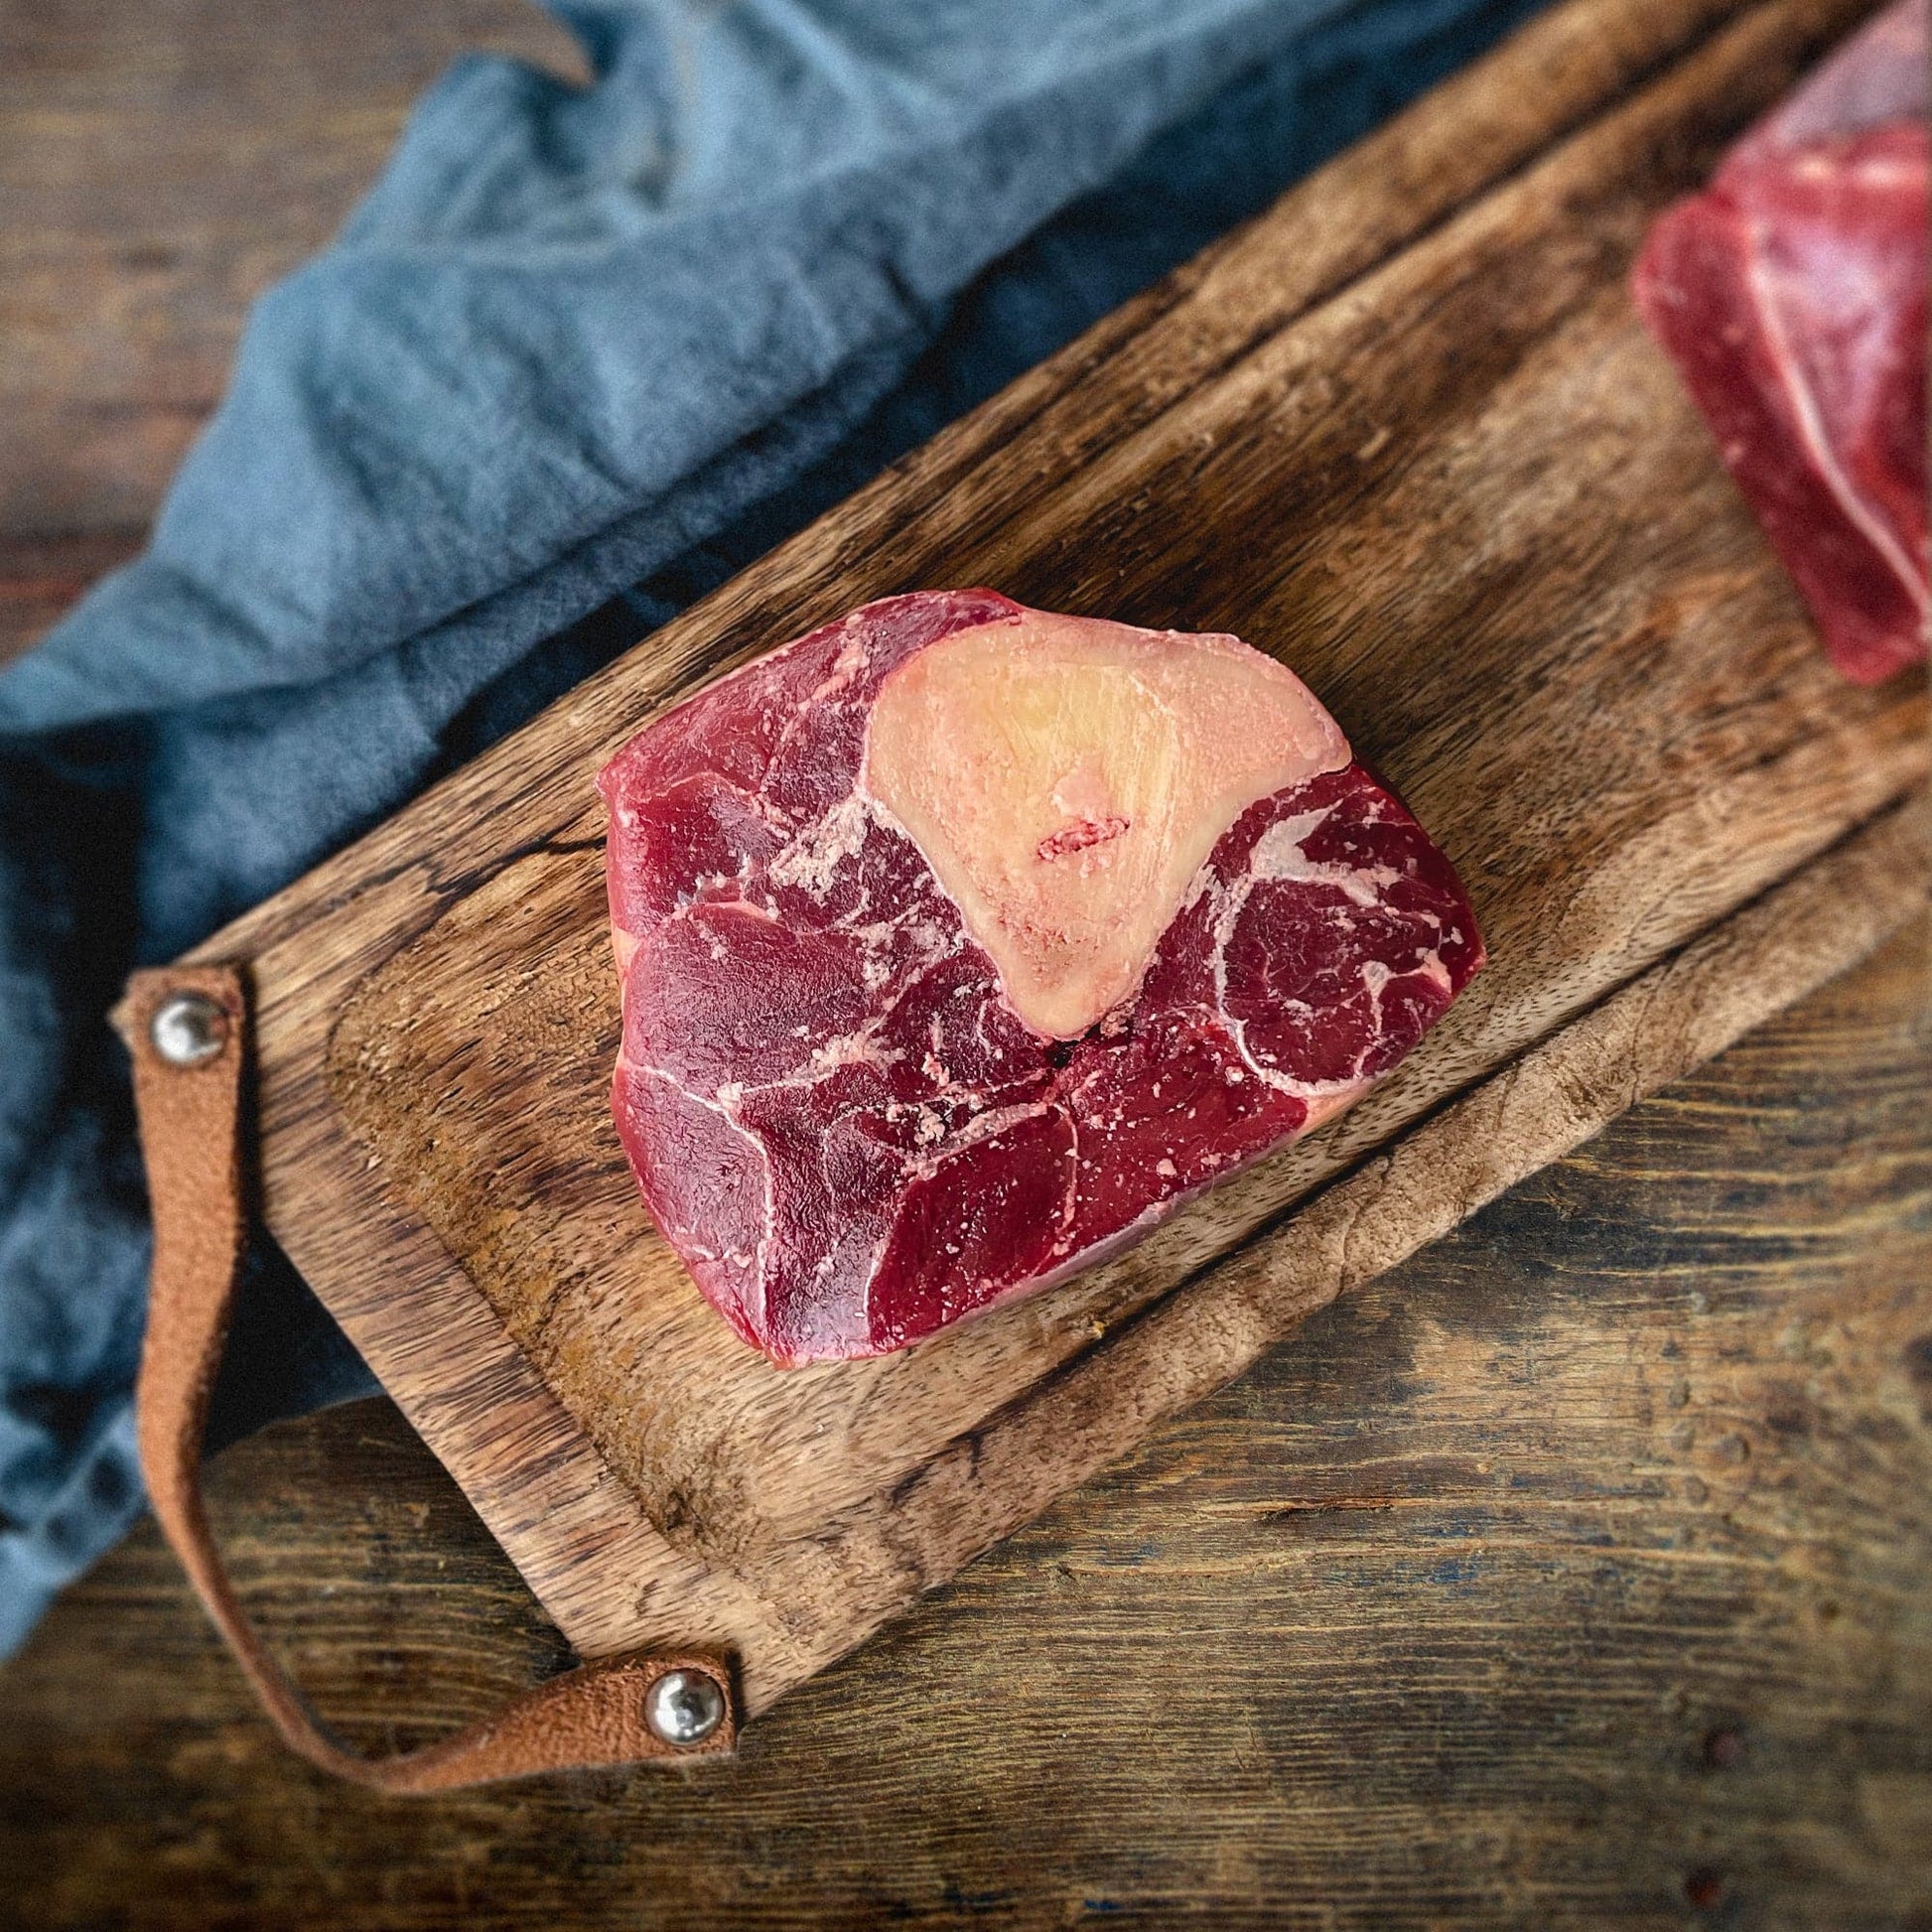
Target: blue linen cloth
{"x": 581, "y": 354}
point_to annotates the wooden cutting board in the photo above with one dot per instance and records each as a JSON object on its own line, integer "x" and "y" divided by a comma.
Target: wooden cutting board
{"x": 1403, "y": 430}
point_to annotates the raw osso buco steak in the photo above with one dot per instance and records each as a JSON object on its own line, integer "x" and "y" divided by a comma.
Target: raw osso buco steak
{"x": 961, "y": 942}
{"x": 1791, "y": 296}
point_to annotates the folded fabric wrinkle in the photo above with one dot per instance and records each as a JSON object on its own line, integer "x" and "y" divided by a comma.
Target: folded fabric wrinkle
{"x": 580, "y": 356}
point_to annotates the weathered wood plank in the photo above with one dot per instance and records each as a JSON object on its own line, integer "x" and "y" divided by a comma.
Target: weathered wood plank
{"x": 1571, "y": 1569}
{"x": 160, "y": 167}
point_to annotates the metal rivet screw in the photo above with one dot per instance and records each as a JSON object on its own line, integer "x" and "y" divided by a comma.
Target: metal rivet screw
{"x": 685, "y": 1706}
{"x": 188, "y": 1029}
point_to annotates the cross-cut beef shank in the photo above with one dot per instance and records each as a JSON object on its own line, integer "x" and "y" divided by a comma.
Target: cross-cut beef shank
{"x": 961, "y": 942}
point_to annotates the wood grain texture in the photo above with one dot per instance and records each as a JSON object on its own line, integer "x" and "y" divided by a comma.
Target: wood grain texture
{"x": 160, "y": 166}
{"x": 1571, "y": 1573}
{"x": 1579, "y": 1561}
{"x": 1404, "y": 429}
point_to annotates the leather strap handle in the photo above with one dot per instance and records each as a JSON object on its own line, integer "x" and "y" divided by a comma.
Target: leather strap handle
{"x": 187, "y": 1031}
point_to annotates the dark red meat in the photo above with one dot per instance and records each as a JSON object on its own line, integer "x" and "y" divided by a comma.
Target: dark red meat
{"x": 834, "y": 1112}
{"x": 1792, "y": 297}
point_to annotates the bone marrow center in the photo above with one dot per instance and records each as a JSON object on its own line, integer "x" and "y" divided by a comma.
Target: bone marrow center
{"x": 1081, "y": 835}
{"x": 1065, "y": 779}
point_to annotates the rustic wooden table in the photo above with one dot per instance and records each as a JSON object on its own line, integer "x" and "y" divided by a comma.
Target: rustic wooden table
{"x": 1578, "y": 1572}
